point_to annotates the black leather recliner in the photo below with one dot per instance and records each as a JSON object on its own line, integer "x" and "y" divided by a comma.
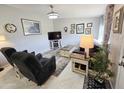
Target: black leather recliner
{"x": 7, "y": 52}
{"x": 34, "y": 68}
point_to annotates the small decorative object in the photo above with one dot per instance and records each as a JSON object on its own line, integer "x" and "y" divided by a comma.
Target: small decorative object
{"x": 65, "y": 28}
{"x": 11, "y": 28}
{"x": 100, "y": 80}
{"x": 72, "y": 28}
{"x": 89, "y": 24}
{"x": 87, "y": 31}
{"x": 118, "y": 21}
{"x": 80, "y": 28}
{"x": 31, "y": 27}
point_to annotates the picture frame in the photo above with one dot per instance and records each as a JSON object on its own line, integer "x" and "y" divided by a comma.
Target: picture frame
{"x": 30, "y": 27}
{"x": 80, "y": 28}
{"x": 87, "y": 31}
{"x": 72, "y": 26}
{"x": 72, "y": 31}
{"x": 118, "y": 20}
{"x": 89, "y": 24}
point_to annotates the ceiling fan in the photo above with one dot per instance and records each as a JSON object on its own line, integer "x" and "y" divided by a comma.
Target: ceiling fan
{"x": 52, "y": 14}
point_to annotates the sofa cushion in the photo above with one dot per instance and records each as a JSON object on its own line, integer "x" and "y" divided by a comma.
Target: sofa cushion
{"x": 39, "y": 56}
{"x": 43, "y": 61}
{"x": 26, "y": 51}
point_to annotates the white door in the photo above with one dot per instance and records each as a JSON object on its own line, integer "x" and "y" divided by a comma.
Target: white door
{"x": 120, "y": 79}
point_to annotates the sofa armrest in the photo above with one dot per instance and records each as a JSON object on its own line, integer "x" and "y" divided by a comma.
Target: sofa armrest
{"x": 43, "y": 61}
{"x": 39, "y": 56}
{"x": 47, "y": 63}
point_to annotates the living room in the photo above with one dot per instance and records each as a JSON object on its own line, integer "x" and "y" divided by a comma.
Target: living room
{"x": 24, "y": 29}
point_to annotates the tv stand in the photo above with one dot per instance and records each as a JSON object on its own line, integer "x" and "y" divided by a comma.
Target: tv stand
{"x": 55, "y": 44}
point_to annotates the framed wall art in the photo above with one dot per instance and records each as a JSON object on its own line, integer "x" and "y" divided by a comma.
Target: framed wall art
{"x": 87, "y": 31}
{"x": 30, "y": 27}
{"x": 11, "y": 28}
{"x": 72, "y": 31}
{"x": 118, "y": 20}
{"x": 89, "y": 24}
{"x": 80, "y": 28}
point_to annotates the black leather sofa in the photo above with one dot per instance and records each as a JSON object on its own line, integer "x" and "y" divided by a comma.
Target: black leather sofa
{"x": 35, "y": 68}
{"x": 7, "y": 52}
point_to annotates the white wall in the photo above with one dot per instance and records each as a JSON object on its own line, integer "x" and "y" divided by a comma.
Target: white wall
{"x": 68, "y": 38}
{"x": 37, "y": 43}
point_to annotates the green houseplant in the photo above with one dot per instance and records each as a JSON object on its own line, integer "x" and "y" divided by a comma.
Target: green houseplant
{"x": 101, "y": 64}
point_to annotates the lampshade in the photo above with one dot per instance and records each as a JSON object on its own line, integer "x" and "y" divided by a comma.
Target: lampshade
{"x": 2, "y": 38}
{"x": 86, "y": 41}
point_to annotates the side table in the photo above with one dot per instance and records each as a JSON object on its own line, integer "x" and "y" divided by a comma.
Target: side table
{"x": 79, "y": 62}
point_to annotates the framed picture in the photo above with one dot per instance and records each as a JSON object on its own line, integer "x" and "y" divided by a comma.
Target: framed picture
{"x": 30, "y": 27}
{"x": 72, "y": 26}
{"x": 72, "y": 31}
{"x": 89, "y": 24}
{"x": 88, "y": 31}
{"x": 80, "y": 28}
{"x": 118, "y": 21}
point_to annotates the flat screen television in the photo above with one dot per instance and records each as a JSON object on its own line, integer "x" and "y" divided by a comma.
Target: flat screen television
{"x": 54, "y": 35}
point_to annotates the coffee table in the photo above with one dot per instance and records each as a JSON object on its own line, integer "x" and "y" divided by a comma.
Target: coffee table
{"x": 66, "y": 51}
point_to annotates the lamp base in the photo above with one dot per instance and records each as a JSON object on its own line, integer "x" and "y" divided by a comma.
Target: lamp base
{"x": 87, "y": 52}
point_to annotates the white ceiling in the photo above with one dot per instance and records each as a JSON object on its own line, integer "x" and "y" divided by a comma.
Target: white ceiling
{"x": 66, "y": 10}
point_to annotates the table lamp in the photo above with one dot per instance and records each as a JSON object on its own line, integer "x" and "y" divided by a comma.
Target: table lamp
{"x": 86, "y": 42}
{"x": 2, "y": 38}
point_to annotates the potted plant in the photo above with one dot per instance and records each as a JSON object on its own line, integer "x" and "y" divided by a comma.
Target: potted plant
{"x": 101, "y": 65}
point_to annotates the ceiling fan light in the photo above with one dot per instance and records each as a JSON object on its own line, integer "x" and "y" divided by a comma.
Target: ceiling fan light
{"x": 53, "y": 15}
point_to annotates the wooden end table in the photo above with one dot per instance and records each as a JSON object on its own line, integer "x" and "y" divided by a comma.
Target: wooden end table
{"x": 79, "y": 62}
